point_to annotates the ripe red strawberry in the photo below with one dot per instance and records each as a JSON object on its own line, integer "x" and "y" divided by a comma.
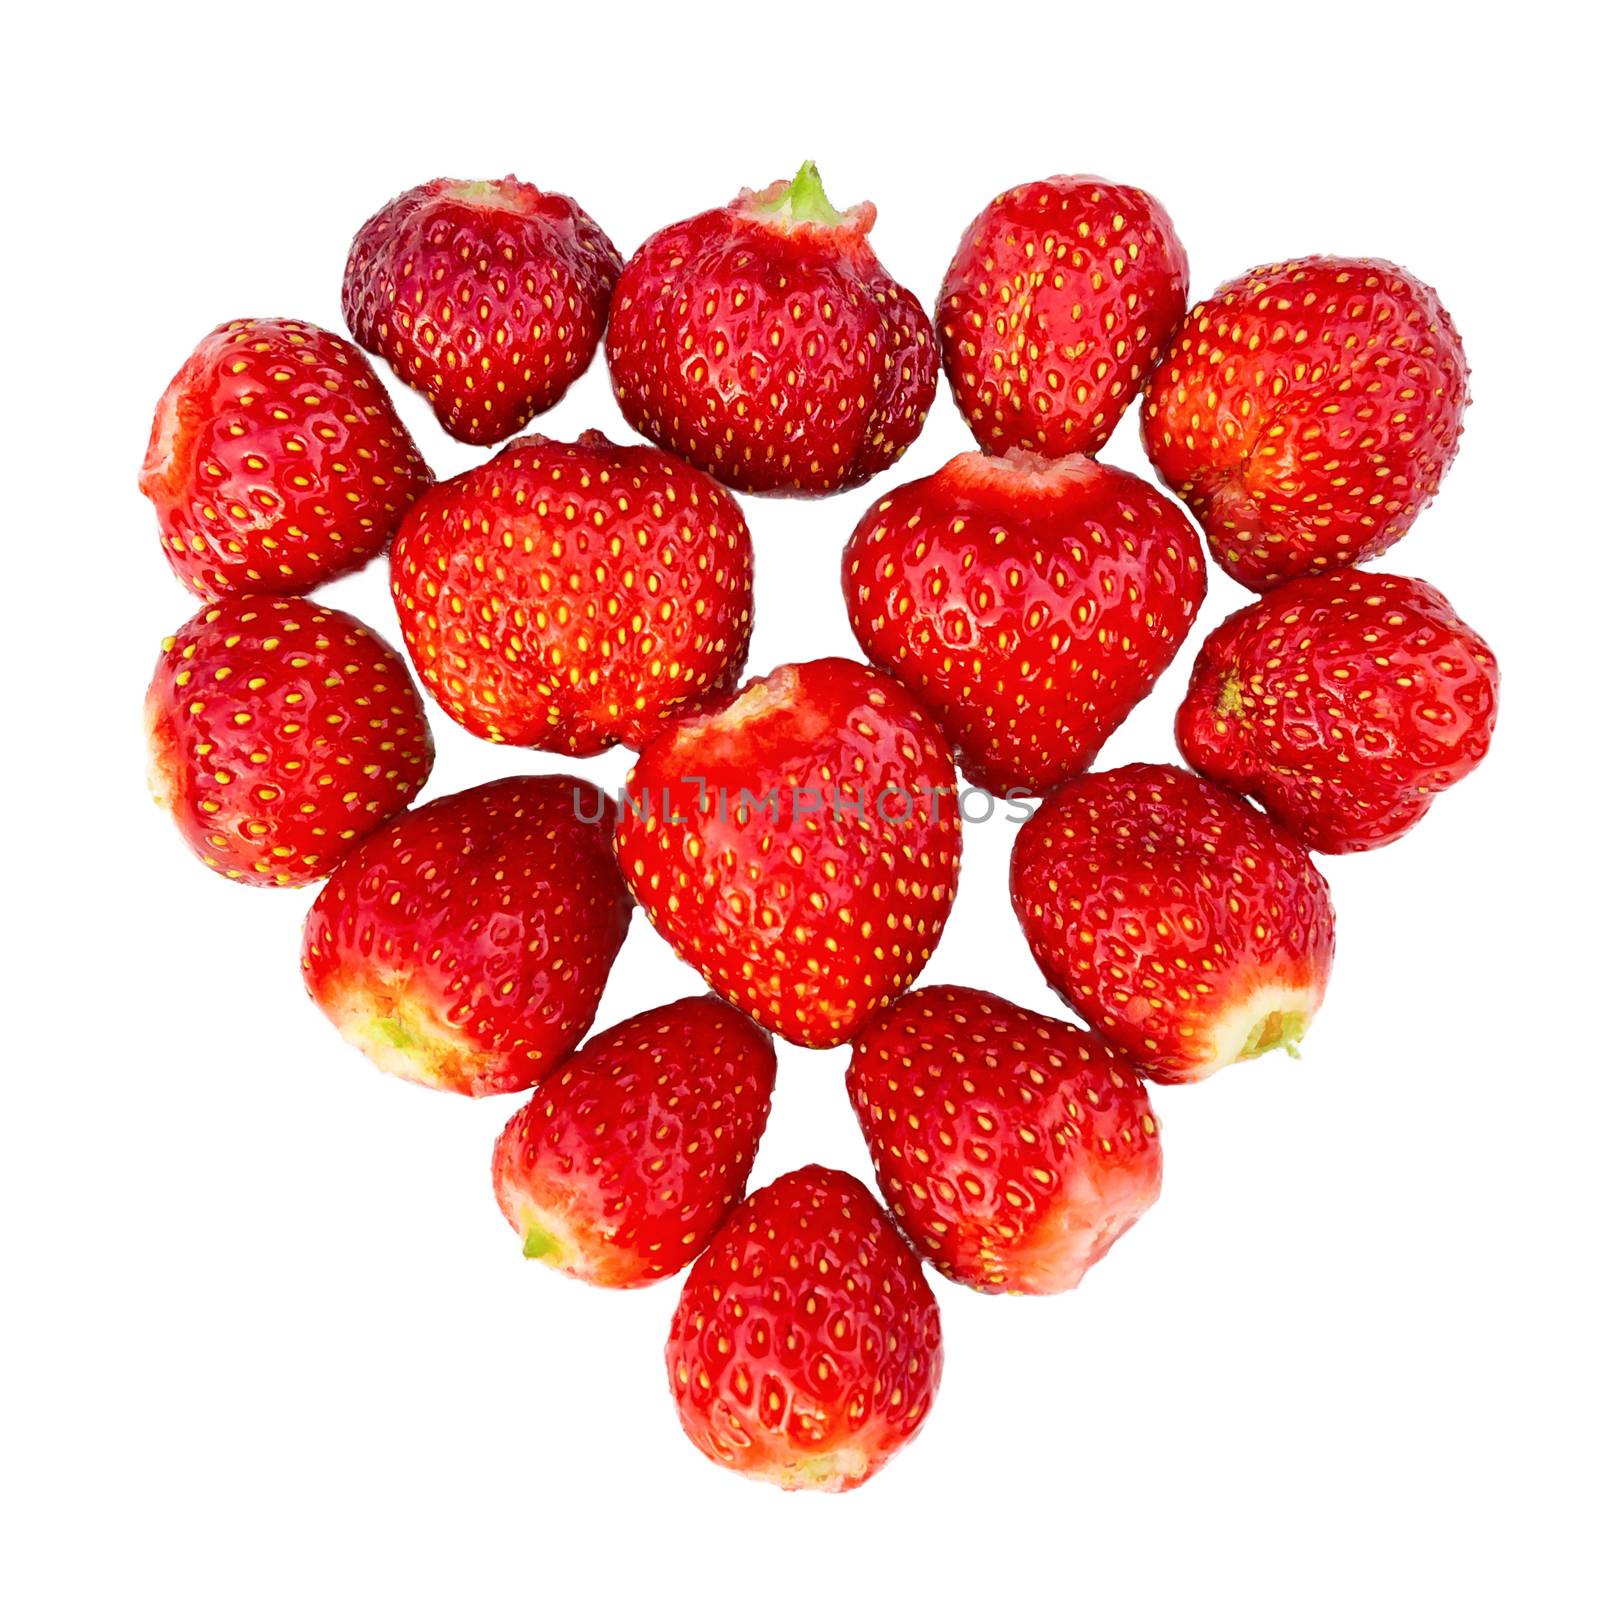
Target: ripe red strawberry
{"x": 1344, "y": 704}
{"x": 276, "y": 461}
{"x": 765, "y": 342}
{"x": 1062, "y": 296}
{"x": 800, "y": 846}
{"x": 281, "y": 732}
{"x": 1013, "y": 1149}
{"x": 488, "y": 298}
{"x": 635, "y": 1148}
{"x": 1306, "y": 412}
{"x": 805, "y": 1349}
{"x": 574, "y": 596}
{"x": 466, "y": 945}
{"x": 1029, "y": 604}
{"x": 1174, "y": 918}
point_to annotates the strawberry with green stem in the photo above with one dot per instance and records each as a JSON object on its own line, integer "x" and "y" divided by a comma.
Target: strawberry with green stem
{"x": 765, "y": 342}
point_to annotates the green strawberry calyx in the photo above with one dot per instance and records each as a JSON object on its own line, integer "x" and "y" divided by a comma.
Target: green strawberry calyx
{"x": 804, "y": 203}
{"x": 805, "y": 200}
{"x": 1278, "y": 1030}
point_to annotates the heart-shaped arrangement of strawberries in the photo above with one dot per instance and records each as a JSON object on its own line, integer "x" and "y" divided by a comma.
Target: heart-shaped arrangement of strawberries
{"x": 796, "y": 836}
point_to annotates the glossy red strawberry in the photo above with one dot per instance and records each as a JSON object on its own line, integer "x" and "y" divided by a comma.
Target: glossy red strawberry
{"x": 635, "y": 1148}
{"x": 1306, "y": 412}
{"x": 574, "y": 596}
{"x": 1030, "y": 605}
{"x": 276, "y": 461}
{"x": 799, "y": 847}
{"x": 765, "y": 342}
{"x": 1175, "y": 919}
{"x": 1062, "y": 296}
{"x": 805, "y": 1349}
{"x": 466, "y": 945}
{"x": 280, "y": 733}
{"x": 1345, "y": 704}
{"x": 488, "y": 298}
{"x": 1013, "y": 1149}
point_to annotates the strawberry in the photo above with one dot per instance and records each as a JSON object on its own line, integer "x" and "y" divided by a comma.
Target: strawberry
{"x": 1030, "y": 604}
{"x": 276, "y": 461}
{"x": 466, "y": 945}
{"x": 1013, "y": 1149}
{"x": 805, "y": 1349}
{"x": 489, "y": 299}
{"x": 1306, "y": 412}
{"x": 280, "y": 733}
{"x": 765, "y": 342}
{"x": 1180, "y": 923}
{"x": 635, "y": 1148}
{"x": 571, "y": 596}
{"x": 1062, "y": 296}
{"x": 1344, "y": 704}
{"x": 799, "y": 847}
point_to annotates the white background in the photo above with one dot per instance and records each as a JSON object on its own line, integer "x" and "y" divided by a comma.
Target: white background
{"x": 266, "y": 1332}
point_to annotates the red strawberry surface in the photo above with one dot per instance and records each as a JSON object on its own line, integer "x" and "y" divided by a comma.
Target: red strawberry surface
{"x": 799, "y": 847}
{"x": 765, "y": 342}
{"x": 1177, "y": 921}
{"x": 805, "y": 1349}
{"x": 1306, "y": 412}
{"x": 1013, "y": 1149}
{"x": 276, "y": 461}
{"x": 1029, "y": 604}
{"x": 1345, "y": 704}
{"x": 635, "y": 1148}
{"x": 1062, "y": 296}
{"x": 280, "y": 733}
{"x": 488, "y": 298}
{"x": 466, "y": 945}
{"x": 574, "y": 596}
